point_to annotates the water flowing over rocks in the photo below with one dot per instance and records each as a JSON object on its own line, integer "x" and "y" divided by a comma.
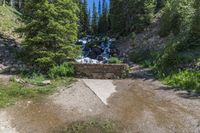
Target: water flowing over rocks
{"x": 96, "y": 50}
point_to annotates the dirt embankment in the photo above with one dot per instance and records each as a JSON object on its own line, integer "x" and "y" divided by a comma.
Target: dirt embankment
{"x": 147, "y": 40}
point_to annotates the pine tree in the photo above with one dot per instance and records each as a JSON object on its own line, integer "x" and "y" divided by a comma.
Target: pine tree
{"x": 195, "y": 28}
{"x": 99, "y": 8}
{"x": 130, "y": 15}
{"x": 51, "y": 30}
{"x": 103, "y": 20}
{"x": 94, "y": 20}
{"x": 85, "y": 17}
{"x": 117, "y": 16}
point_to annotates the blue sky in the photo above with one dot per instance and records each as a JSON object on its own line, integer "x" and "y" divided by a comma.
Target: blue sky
{"x": 90, "y": 3}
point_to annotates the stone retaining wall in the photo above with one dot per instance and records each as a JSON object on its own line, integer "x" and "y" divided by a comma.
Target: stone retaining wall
{"x": 101, "y": 71}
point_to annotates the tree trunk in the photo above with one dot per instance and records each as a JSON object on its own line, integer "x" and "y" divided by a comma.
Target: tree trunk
{"x": 20, "y": 4}
{"x": 12, "y": 3}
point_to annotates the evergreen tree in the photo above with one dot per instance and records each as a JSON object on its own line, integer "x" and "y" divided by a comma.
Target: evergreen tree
{"x": 85, "y": 17}
{"x": 130, "y": 15}
{"x": 94, "y": 20}
{"x": 90, "y": 22}
{"x": 117, "y": 16}
{"x": 81, "y": 18}
{"x": 99, "y": 8}
{"x": 103, "y": 20}
{"x": 195, "y": 29}
{"x": 51, "y": 30}
{"x": 176, "y": 17}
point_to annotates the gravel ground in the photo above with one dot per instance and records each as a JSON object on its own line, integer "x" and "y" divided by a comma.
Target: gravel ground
{"x": 137, "y": 106}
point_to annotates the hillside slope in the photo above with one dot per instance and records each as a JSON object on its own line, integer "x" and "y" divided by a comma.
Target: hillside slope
{"x": 9, "y": 21}
{"x": 9, "y": 39}
{"x": 178, "y": 68}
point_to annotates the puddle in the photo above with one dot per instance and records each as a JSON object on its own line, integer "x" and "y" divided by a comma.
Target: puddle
{"x": 134, "y": 108}
{"x": 141, "y": 110}
{"x": 36, "y": 116}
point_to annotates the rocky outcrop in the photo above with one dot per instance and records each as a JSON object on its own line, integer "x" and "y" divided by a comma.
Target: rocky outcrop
{"x": 8, "y": 50}
{"x": 148, "y": 39}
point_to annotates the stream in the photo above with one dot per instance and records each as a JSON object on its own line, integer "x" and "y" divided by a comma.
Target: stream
{"x": 96, "y": 50}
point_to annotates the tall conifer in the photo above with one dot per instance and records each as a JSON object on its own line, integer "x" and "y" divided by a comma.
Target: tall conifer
{"x": 94, "y": 20}
{"x": 51, "y": 30}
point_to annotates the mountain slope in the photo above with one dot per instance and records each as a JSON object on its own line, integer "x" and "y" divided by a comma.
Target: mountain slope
{"x": 9, "y": 21}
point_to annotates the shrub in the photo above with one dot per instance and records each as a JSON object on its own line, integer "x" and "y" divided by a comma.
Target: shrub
{"x": 195, "y": 27}
{"x": 145, "y": 57}
{"x": 165, "y": 26}
{"x": 63, "y": 70}
{"x": 176, "y": 17}
{"x": 114, "y": 60}
{"x": 188, "y": 80}
{"x": 176, "y": 55}
{"x": 51, "y": 30}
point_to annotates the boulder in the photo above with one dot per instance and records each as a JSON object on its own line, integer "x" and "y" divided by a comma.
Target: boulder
{"x": 46, "y": 82}
{"x": 92, "y": 55}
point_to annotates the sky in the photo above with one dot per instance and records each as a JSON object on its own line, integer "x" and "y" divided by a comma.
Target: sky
{"x": 90, "y": 3}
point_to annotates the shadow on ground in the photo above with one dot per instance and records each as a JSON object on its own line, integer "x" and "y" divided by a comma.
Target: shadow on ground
{"x": 145, "y": 74}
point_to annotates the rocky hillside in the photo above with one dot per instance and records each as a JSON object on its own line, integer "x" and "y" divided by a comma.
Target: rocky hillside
{"x": 145, "y": 41}
{"x": 149, "y": 39}
{"x": 9, "y": 39}
{"x": 8, "y": 61}
{"x": 9, "y": 21}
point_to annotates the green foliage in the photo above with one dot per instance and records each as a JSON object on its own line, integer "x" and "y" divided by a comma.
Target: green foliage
{"x": 27, "y": 86}
{"x": 145, "y": 57}
{"x": 128, "y": 15}
{"x": 94, "y": 20}
{"x": 64, "y": 70}
{"x": 103, "y": 25}
{"x": 166, "y": 24}
{"x": 189, "y": 80}
{"x": 160, "y": 4}
{"x": 9, "y": 93}
{"x": 182, "y": 50}
{"x": 195, "y": 28}
{"x": 94, "y": 125}
{"x": 49, "y": 35}
{"x": 10, "y": 20}
{"x": 176, "y": 18}
{"x": 84, "y": 18}
{"x": 114, "y": 60}
{"x": 34, "y": 79}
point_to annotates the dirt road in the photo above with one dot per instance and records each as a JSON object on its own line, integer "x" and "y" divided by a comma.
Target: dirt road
{"x": 137, "y": 106}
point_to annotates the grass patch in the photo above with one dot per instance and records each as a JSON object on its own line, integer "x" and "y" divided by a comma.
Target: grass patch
{"x": 28, "y": 87}
{"x": 188, "y": 80}
{"x": 10, "y": 20}
{"x": 93, "y": 126}
{"x": 176, "y": 65}
{"x": 63, "y": 70}
{"x": 114, "y": 60}
{"x": 145, "y": 58}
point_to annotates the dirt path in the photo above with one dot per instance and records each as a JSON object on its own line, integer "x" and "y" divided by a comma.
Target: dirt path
{"x": 138, "y": 106}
